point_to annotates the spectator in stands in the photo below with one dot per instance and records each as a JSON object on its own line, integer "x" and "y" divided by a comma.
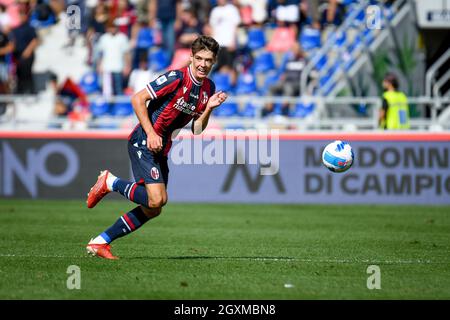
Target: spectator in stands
{"x": 395, "y": 111}
{"x": 96, "y": 28}
{"x": 187, "y": 28}
{"x": 143, "y": 12}
{"x": 316, "y": 13}
{"x": 115, "y": 61}
{"x": 287, "y": 12}
{"x": 224, "y": 21}
{"x": 5, "y": 19}
{"x": 25, "y": 41}
{"x": 201, "y": 9}
{"x": 289, "y": 82}
{"x": 42, "y": 15}
{"x": 258, "y": 10}
{"x": 165, "y": 12}
{"x": 68, "y": 96}
{"x": 125, "y": 17}
{"x": 6, "y": 47}
{"x": 140, "y": 77}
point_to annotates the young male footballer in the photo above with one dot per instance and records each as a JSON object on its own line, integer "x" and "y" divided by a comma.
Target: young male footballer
{"x": 175, "y": 98}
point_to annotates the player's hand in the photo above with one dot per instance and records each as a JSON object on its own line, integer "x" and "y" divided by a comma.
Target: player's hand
{"x": 154, "y": 143}
{"x": 217, "y": 99}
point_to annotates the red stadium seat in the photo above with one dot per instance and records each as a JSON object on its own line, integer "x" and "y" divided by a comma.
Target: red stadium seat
{"x": 282, "y": 39}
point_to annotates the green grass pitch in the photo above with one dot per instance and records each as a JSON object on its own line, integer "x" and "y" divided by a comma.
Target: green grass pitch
{"x": 211, "y": 251}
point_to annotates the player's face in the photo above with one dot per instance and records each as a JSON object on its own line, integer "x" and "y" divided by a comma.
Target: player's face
{"x": 202, "y": 62}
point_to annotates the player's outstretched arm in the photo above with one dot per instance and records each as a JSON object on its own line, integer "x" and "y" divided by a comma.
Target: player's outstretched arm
{"x": 138, "y": 100}
{"x": 214, "y": 101}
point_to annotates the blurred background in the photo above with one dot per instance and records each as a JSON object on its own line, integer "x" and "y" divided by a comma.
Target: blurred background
{"x": 287, "y": 64}
{"x": 317, "y": 70}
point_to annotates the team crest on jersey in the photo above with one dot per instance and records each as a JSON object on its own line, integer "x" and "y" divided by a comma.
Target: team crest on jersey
{"x": 154, "y": 172}
{"x": 205, "y": 97}
{"x": 161, "y": 80}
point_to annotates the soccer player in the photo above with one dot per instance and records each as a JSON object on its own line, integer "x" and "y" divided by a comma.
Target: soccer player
{"x": 175, "y": 98}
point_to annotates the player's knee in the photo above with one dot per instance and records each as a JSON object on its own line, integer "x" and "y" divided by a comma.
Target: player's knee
{"x": 152, "y": 213}
{"x": 157, "y": 202}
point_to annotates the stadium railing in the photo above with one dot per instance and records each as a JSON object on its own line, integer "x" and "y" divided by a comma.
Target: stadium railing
{"x": 324, "y": 113}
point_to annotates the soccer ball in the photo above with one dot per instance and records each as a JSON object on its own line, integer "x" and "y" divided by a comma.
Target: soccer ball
{"x": 338, "y": 156}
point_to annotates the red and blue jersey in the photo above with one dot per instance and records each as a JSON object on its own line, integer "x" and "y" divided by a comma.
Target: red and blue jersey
{"x": 177, "y": 98}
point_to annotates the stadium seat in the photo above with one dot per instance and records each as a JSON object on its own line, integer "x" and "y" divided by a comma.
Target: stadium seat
{"x": 227, "y": 109}
{"x": 249, "y": 110}
{"x": 246, "y": 83}
{"x": 99, "y": 107}
{"x": 158, "y": 60}
{"x": 368, "y": 36}
{"x": 282, "y": 39}
{"x": 89, "y": 83}
{"x": 309, "y": 38}
{"x": 144, "y": 38}
{"x": 360, "y": 18}
{"x": 321, "y": 63}
{"x": 271, "y": 78}
{"x": 222, "y": 81}
{"x": 340, "y": 39}
{"x": 180, "y": 59}
{"x": 256, "y": 39}
{"x": 264, "y": 62}
{"x": 280, "y": 110}
{"x": 122, "y": 109}
{"x": 302, "y": 110}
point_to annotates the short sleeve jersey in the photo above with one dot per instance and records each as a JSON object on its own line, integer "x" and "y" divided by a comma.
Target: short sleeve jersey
{"x": 177, "y": 98}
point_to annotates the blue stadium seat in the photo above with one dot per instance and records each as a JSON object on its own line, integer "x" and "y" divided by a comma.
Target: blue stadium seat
{"x": 99, "y": 107}
{"x": 249, "y": 110}
{"x": 158, "y": 60}
{"x": 368, "y": 36}
{"x": 256, "y": 38}
{"x": 246, "y": 83}
{"x": 89, "y": 83}
{"x": 222, "y": 81}
{"x": 122, "y": 109}
{"x": 279, "y": 110}
{"x": 309, "y": 38}
{"x": 144, "y": 38}
{"x": 302, "y": 110}
{"x": 321, "y": 63}
{"x": 227, "y": 109}
{"x": 360, "y": 18}
{"x": 264, "y": 62}
{"x": 340, "y": 39}
{"x": 357, "y": 42}
{"x": 271, "y": 78}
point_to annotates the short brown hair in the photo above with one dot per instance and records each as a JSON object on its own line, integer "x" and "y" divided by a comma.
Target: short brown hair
{"x": 205, "y": 43}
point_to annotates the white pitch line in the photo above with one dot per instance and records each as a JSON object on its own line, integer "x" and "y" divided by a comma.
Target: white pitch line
{"x": 283, "y": 259}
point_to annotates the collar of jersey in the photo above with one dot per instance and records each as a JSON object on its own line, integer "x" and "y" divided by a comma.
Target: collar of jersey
{"x": 195, "y": 81}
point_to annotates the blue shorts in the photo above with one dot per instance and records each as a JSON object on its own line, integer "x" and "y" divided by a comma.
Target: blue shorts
{"x": 147, "y": 166}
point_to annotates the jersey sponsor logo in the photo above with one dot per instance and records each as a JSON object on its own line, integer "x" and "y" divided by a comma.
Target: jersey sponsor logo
{"x": 195, "y": 96}
{"x": 154, "y": 172}
{"x": 184, "y": 89}
{"x": 205, "y": 97}
{"x": 185, "y": 107}
{"x": 172, "y": 73}
{"x": 161, "y": 80}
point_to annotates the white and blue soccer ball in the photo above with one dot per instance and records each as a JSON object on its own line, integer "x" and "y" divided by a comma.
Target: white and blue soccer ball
{"x": 338, "y": 156}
